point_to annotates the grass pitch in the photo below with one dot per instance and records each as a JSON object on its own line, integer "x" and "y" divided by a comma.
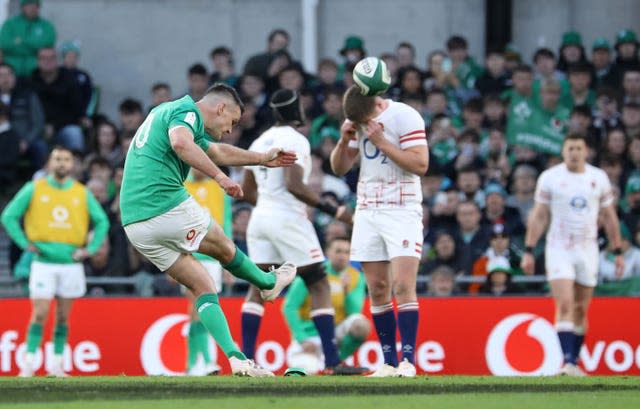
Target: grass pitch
{"x": 320, "y": 392}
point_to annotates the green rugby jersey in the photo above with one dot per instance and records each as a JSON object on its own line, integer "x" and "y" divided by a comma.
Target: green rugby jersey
{"x": 154, "y": 175}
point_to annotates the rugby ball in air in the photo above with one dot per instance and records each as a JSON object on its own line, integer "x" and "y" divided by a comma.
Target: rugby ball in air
{"x": 372, "y": 76}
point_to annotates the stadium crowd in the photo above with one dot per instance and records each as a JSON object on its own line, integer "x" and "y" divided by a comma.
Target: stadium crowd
{"x": 491, "y": 129}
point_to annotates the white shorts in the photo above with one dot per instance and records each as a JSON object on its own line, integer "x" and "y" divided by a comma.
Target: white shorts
{"x": 274, "y": 237}
{"x": 578, "y": 263}
{"x": 163, "y": 238}
{"x": 48, "y": 280}
{"x": 381, "y": 235}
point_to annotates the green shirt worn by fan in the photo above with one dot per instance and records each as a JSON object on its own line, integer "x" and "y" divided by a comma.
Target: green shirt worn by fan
{"x": 155, "y": 174}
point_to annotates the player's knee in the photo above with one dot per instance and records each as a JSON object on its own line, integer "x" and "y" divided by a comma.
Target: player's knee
{"x": 404, "y": 291}
{"x": 319, "y": 288}
{"x": 40, "y": 315}
{"x": 379, "y": 290}
{"x": 565, "y": 308}
{"x": 360, "y": 327}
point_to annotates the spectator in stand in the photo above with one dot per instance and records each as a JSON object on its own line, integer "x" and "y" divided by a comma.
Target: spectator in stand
{"x": 462, "y": 64}
{"x": 26, "y": 117}
{"x": 131, "y": 116}
{"x": 472, "y": 237}
{"x": 409, "y": 84}
{"x": 626, "y": 52}
{"x": 352, "y": 51}
{"x": 99, "y": 168}
{"x": 601, "y": 57}
{"x": 406, "y": 55}
{"x": 440, "y": 74}
{"x": 328, "y": 124}
{"x": 70, "y": 54}
{"x": 248, "y": 125}
{"x": 549, "y": 122}
{"x": 512, "y": 57}
{"x": 253, "y": 87}
{"x": 61, "y": 99}
{"x": 445, "y": 207}
{"x": 472, "y": 116}
{"x": 468, "y": 145}
{"x": 442, "y": 141}
{"x": 523, "y": 188}
{"x": 633, "y": 157}
{"x": 631, "y": 254}
{"x": 631, "y": 211}
{"x": 581, "y": 121}
{"x": 198, "y": 80}
{"x": 497, "y": 157}
{"x": 500, "y": 245}
{"x": 391, "y": 60}
{"x": 580, "y": 92}
{"x": 281, "y": 60}
{"x": 614, "y": 169}
{"x": 545, "y": 64}
{"x": 442, "y": 282}
{"x": 521, "y": 103}
{"x": 494, "y": 112}
{"x": 240, "y": 221}
{"x": 606, "y": 115}
{"x": 571, "y": 51}
{"x": 259, "y": 64}
{"x": 436, "y": 105}
{"x": 10, "y": 148}
{"x": 23, "y": 35}
{"x": 496, "y": 212}
{"x": 615, "y": 144}
{"x": 223, "y": 70}
{"x": 327, "y": 79}
{"x": 106, "y": 143}
{"x": 631, "y": 85}
{"x": 495, "y": 79}
{"x": 160, "y": 92}
{"x": 469, "y": 183}
{"x": 498, "y": 281}
{"x": 631, "y": 119}
{"x": 443, "y": 253}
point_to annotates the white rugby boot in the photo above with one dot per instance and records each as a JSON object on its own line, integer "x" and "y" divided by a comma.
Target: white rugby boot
{"x": 570, "y": 369}
{"x": 385, "y": 371}
{"x": 248, "y": 367}
{"x": 56, "y": 368}
{"x": 284, "y": 276}
{"x": 405, "y": 369}
{"x": 28, "y": 370}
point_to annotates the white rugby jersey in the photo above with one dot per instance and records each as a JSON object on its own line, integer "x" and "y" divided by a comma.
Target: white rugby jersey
{"x": 272, "y": 187}
{"x": 383, "y": 184}
{"x": 574, "y": 201}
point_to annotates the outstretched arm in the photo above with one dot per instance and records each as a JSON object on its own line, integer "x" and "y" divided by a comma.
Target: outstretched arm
{"x": 229, "y": 155}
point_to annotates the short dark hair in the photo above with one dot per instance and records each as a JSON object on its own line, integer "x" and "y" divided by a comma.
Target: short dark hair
{"x": 579, "y": 67}
{"x": 230, "y": 92}
{"x": 59, "y": 147}
{"x": 332, "y": 90}
{"x": 575, "y": 136}
{"x": 357, "y": 107}
{"x": 470, "y": 134}
{"x": 99, "y": 161}
{"x": 474, "y": 105}
{"x": 495, "y": 49}
{"x": 543, "y": 52}
{"x": 160, "y": 85}
{"x": 197, "y": 69}
{"x": 436, "y": 91}
{"x": 130, "y": 106}
{"x": 457, "y": 42}
{"x": 523, "y": 68}
{"x": 278, "y": 31}
{"x": 338, "y": 238}
{"x": 406, "y": 44}
{"x": 220, "y": 51}
{"x": 583, "y": 109}
{"x": 493, "y": 98}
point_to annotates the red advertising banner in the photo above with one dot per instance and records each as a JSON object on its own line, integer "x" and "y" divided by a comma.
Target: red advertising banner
{"x": 479, "y": 336}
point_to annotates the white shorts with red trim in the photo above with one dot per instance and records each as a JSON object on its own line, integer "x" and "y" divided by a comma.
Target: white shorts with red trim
{"x": 275, "y": 237}
{"x": 381, "y": 235}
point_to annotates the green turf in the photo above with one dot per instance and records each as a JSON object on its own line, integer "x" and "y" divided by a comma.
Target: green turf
{"x": 320, "y": 392}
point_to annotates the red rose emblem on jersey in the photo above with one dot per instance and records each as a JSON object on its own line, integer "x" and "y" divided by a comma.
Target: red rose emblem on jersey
{"x": 191, "y": 234}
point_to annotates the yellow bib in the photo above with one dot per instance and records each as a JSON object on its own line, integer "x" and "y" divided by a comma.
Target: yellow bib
{"x": 337, "y": 296}
{"x": 57, "y": 215}
{"x": 210, "y": 196}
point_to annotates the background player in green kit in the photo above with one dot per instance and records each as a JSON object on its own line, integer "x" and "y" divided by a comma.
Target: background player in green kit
{"x": 166, "y": 224}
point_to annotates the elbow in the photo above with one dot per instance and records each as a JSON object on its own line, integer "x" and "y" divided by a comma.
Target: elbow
{"x": 421, "y": 167}
{"x": 178, "y": 145}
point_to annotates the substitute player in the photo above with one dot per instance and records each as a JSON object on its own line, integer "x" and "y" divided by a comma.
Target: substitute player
{"x": 568, "y": 198}
{"x": 279, "y": 228}
{"x": 57, "y": 211}
{"x": 210, "y": 196}
{"x": 389, "y": 138}
{"x": 166, "y": 224}
{"x": 348, "y": 292}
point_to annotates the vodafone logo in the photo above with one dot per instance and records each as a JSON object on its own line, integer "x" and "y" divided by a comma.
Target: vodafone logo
{"x": 523, "y": 344}
{"x": 163, "y": 348}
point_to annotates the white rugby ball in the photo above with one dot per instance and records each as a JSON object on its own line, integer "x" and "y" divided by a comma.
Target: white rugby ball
{"x": 372, "y": 76}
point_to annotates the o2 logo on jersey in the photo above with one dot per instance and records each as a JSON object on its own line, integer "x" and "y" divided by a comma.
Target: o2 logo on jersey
{"x": 372, "y": 152}
{"x": 578, "y": 203}
{"x": 523, "y": 344}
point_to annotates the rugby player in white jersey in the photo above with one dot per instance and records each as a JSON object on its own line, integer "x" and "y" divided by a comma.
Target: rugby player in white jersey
{"x": 279, "y": 228}
{"x": 390, "y": 140}
{"x": 569, "y": 196}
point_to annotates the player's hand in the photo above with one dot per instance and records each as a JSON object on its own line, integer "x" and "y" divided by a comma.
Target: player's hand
{"x": 80, "y": 254}
{"x": 230, "y": 187}
{"x": 619, "y": 262}
{"x": 308, "y": 347}
{"x": 375, "y": 132}
{"x": 277, "y": 157}
{"x": 344, "y": 214}
{"x": 32, "y": 248}
{"x": 348, "y": 132}
{"x": 528, "y": 263}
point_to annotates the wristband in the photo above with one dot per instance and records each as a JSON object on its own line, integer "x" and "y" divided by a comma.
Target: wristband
{"x": 327, "y": 208}
{"x": 528, "y": 249}
{"x": 617, "y": 251}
